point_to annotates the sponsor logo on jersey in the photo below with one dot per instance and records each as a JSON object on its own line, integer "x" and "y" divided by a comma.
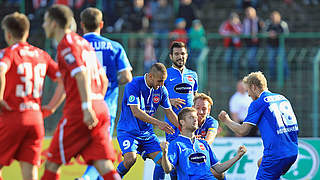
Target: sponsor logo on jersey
{"x": 156, "y": 98}
{"x": 183, "y": 88}
{"x": 197, "y": 157}
{"x": 274, "y": 98}
{"x": 131, "y": 98}
{"x": 190, "y": 78}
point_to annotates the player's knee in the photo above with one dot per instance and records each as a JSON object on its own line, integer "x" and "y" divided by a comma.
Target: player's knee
{"x": 130, "y": 160}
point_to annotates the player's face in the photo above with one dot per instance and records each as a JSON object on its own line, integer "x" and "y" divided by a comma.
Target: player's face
{"x": 47, "y": 26}
{"x": 251, "y": 91}
{"x": 191, "y": 121}
{"x": 179, "y": 57}
{"x": 157, "y": 79}
{"x": 203, "y": 110}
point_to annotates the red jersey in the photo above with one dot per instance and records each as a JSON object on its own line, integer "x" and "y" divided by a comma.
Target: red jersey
{"x": 75, "y": 54}
{"x": 26, "y": 67}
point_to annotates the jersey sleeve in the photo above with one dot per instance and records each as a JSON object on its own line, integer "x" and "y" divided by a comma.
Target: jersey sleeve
{"x": 53, "y": 69}
{"x": 165, "y": 103}
{"x": 5, "y": 59}
{"x": 72, "y": 60}
{"x": 254, "y": 113}
{"x": 123, "y": 61}
{"x": 213, "y": 125}
{"x": 132, "y": 93}
{"x": 173, "y": 154}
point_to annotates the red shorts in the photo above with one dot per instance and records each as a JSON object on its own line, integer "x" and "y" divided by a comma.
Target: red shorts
{"x": 21, "y": 137}
{"x": 72, "y": 137}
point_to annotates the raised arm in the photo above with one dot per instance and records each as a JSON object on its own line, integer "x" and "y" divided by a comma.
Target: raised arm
{"x": 241, "y": 129}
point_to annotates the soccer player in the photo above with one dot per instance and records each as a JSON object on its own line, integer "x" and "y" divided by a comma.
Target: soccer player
{"x": 23, "y": 68}
{"x": 193, "y": 158}
{"x": 182, "y": 84}
{"x": 83, "y": 129}
{"x": 208, "y": 126}
{"x": 141, "y": 99}
{"x": 273, "y": 115}
{"x": 114, "y": 60}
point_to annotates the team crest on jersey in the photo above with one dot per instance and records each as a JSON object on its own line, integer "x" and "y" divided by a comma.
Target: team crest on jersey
{"x": 131, "y": 98}
{"x": 203, "y": 133}
{"x": 69, "y": 58}
{"x": 201, "y": 146}
{"x": 156, "y": 98}
{"x": 190, "y": 78}
{"x": 197, "y": 157}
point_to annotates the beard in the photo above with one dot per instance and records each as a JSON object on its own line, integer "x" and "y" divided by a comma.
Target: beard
{"x": 177, "y": 64}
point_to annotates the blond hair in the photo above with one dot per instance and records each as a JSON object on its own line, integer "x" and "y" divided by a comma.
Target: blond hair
{"x": 257, "y": 79}
{"x": 203, "y": 97}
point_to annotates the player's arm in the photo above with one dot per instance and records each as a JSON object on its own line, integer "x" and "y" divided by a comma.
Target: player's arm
{"x": 172, "y": 116}
{"x": 211, "y": 135}
{"x": 166, "y": 164}
{"x": 104, "y": 81}
{"x": 89, "y": 118}
{"x": 218, "y": 176}
{"x": 241, "y": 129}
{"x": 143, "y": 116}
{"x": 124, "y": 76}
{"x": 222, "y": 167}
{"x": 56, "y": 100}
{"x": 3, "y": 103}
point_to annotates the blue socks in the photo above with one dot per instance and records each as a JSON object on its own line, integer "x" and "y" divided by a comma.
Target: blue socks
{"x": 158, "y": 172}
{"x": 91, "y": 173}
{"x": 122, "y": 170}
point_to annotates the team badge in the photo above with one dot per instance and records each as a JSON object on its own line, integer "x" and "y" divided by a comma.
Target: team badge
{"x": 203, "y": 133}
{"x": 131, "y": 98}
{"x": 190, "y": 78}
{"x": 201, "y": 146}
{"x": 69, "y": 58}
{"x": 156, "y": 98}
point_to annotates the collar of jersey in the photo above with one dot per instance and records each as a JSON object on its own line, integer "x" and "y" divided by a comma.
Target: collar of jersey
{"x": 204, "y": 121}
{"x": 91, "y": 33}
{"x": 187, "y": 138}
{"x": 184, "y": 69}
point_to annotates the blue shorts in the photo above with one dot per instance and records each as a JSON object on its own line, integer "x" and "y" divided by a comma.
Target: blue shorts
{"x": 142, "y": 146}
{"x": 273, "y": 169}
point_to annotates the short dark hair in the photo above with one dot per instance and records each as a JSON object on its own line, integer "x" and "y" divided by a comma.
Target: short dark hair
{"x": 182, "y": 114}
{"x": 177, "y": 44}
{"x": 61, "y": 14}
{"x": 91, "y": 18}
{"x": 158, "y": 67}
{"x": 17, "y": 24}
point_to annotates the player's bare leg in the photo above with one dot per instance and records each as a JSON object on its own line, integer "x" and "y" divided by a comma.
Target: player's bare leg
{"x": 128, "y": 161}
{"x": 29, "y": 171}
{"x": 106, "y": 169}
{"x": 51, "y": 171}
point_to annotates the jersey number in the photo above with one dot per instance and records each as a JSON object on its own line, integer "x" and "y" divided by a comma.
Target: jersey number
{"x": 283, "y": 113}
{"x": 126, "y": 144}
{"x": 37, "y": 73}
{"x": 92, "y": 66}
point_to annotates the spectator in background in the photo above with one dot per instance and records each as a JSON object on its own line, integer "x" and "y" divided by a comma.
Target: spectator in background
{"x": 179, "y": 33}
{"x": 276, "y": 27}
{"x": 198, "y": 41}
{"x": 232, "y": 27}
{"x": 162, "y": 15}
{"x": 251, "y": 27}
{"x": 187, "y": 12}
{"x": 244, "y": 4}
{"x": 239, "y": 104}
{"x": 149, "y": 54}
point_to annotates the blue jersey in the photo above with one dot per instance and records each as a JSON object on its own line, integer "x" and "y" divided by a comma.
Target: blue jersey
{"x": 180, "y": 85}
{"x": 277, "y": 123}
{"x": 137, "y": 92}
{"x": 114, "y": 59}
{"x": 209, "y": 125}
{"x": 192, "y": 160}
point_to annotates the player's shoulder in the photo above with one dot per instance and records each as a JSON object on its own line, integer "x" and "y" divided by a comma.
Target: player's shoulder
{"x": 190, "y": 72}
{"x": 210, "y": 119}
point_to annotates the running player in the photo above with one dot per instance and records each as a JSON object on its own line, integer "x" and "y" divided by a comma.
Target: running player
{"x": 23, "y": 68}
{"x": 273, "y": 115}
{"x": 83, "y": 129}
{"x": 141, "y": 100}
{"x": 114, "y": 60}
{"x": 193, "y": 158}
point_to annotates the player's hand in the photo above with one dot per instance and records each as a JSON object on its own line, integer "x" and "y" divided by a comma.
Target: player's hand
{"x": 241, "y": 151}
{"x": 89, "y": 118}
{"x": 47, "y": 111}
{"x": 165, "y": 127}
{"x": 4, "y": 105}
{"x": 177, "y": 102}
{"x": 164, "y": 146}
{"x": 223, "y": 116}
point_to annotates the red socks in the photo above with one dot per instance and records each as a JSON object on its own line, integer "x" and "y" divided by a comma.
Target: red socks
{"x": 48, "y": 175}
{"x": 112, "y": 175}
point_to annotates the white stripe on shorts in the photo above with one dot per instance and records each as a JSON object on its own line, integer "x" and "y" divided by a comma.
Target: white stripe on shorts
{"x": 61, "y": 149}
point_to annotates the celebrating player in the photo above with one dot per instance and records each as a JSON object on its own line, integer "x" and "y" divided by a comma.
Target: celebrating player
{"x": 23, "y": 68}
{"x": 273, "y": 115}
{"x": 83, "y": 129}
{"x": 141, "y": 100}
{"x": 193, "y": 158}
{"x": 113, "y": 58}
